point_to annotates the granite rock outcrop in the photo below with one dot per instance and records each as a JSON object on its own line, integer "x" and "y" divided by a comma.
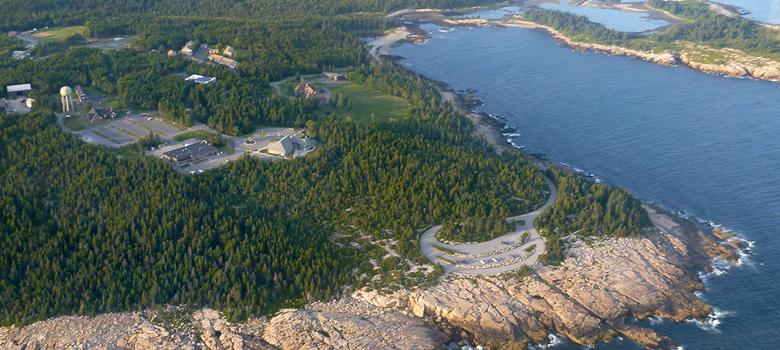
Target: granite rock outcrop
{"x": 590, "y": 297}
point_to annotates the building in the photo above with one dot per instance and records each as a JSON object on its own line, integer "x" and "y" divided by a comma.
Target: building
{"x": 85, "y": 98}
{"x": 190, "y": 153}
{"x": 200, "y": 79}
{"x": 18, "y": 90}
{"x": 228, "y": 51}
{"x": 98, "y": 114}
{"x": 213, "y": 50}
{"x": 171, "y": 53}
{"x": 223, "y": 60}
{"x": 282, "y": 147}
{"x": 81, "y": 94}
{"x": 311, "y": 92}
{"x": 335, "y": 76}
{"x": 187, "y": 49}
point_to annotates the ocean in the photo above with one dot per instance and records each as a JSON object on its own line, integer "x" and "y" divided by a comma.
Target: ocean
{"x": 703, "y": 145}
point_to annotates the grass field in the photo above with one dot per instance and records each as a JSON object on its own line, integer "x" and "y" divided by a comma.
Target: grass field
{"x": 195, "y": 134}
{"x": 58, "y": 34}
{"x": 74, "y": 123}
{"x": 367, "y": 105}
{"x": 288, "y": 88}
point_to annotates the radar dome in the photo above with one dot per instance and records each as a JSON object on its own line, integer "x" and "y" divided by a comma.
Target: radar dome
{"x": 66, "y": 91}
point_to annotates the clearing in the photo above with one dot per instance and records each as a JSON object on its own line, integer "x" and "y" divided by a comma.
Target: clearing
{"x": 366, "y": 105}
{"x": 58, "y": 34}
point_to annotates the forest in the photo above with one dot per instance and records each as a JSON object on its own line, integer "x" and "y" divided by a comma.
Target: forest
{"x": 587, "y": 209}
{"x": 87, "y": 229}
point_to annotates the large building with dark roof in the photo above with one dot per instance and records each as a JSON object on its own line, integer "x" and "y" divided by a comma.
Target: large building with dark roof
{"x": 190, "y": 153}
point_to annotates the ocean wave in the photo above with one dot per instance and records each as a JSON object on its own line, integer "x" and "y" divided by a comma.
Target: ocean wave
{"x": 713, "y": 320}
{"x": 552, "y": 340}
{"x": 655, "y": 320}
{"x": 720, "y": 266}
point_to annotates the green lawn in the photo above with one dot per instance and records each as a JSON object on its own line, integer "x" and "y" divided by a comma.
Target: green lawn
{"x": 288, "y": 88}
{"x": 74, "y": 123}
{"x": 59, "y": 34}
{"x": 195, "y": 134}
{"x": 367, "y": 105}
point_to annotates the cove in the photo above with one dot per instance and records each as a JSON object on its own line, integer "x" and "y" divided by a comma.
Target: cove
{"x": 685, "y": 140}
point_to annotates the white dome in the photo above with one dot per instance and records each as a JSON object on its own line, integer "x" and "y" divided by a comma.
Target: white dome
{"x": 66, "y": 91}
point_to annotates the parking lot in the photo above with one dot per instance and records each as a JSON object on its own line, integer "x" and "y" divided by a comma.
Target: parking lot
{"x": 111, "y": 44}
{"x": 123, "y": 131}
{"x": 159, "y": 127}
{"x": 15, "y": 105}
{"x": 132, "y": 128}
{"x": 114, "y": 134}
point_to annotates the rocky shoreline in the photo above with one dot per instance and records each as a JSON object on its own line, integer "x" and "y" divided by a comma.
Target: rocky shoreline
{"x": 740, "y": 64}
{"x": 733, "y": 63}
{"x": 591, "y": 297}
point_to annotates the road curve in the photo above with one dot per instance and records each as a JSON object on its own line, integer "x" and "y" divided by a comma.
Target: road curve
{"x": 478, "y": 259}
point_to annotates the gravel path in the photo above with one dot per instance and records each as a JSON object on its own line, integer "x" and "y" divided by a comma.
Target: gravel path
{"x": 495, "y": 256}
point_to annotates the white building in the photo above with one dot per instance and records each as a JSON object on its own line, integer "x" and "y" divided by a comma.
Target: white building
{"x": 282, "y": 147}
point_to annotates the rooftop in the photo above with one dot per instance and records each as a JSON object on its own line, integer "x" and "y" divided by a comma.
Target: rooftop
{"x": 200, "y": 79}
{"x": 193, "y": 151}
{"x": 18, "y": 88}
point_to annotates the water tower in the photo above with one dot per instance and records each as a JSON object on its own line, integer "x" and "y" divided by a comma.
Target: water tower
{"x": 67, "y": 99}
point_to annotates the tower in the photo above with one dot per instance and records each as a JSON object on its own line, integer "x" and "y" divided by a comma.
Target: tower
{"x": 67, "y": 100}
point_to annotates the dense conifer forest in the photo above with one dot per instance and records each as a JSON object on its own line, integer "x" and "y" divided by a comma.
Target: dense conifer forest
{"x": 86, "y": 229}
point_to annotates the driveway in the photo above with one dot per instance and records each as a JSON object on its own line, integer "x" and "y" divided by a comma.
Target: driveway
{"x": 499, "y": 255}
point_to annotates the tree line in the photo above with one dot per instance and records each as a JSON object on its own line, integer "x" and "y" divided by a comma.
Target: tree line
{"x": 587, "y": 209}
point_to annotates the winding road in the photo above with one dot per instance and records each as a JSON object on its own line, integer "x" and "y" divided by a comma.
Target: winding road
{"x": 494, "y": 256}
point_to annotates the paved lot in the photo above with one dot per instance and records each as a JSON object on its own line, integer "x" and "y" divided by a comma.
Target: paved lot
{"x": 159, "y": 127}
{"x": 110, "y": 44}
{"x": 15, "y": 105}
{"x": 123, "y": 131}
{"x": 113, "y": 134}
{"x": 487, "y": 251}
{"x": 131, "y": 128}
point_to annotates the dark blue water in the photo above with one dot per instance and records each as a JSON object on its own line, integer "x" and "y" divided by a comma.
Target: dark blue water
{"x": 704, "y": 144}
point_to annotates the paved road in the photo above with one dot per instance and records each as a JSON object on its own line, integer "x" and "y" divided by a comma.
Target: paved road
{"x": 428, "y": 239}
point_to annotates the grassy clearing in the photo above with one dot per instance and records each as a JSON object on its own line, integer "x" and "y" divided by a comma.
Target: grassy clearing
{"x": 288, "y": 88}
{"x": 229, "y": 147}
{"x": 74, "y": 123}
{"x": 194, "y": 134}
{"x": 366, "y": 105}
{"x": 58, "y": 34}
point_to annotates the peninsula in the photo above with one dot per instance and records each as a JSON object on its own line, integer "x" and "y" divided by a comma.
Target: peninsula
{"x": 707, "y": 37}
{"x": 105, "y": 245}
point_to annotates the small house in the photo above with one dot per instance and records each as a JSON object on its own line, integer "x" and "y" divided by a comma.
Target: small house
{"x": 335, "y": 76}
{"x": 187, "y": 49}
{"x": 98, "y": 114}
